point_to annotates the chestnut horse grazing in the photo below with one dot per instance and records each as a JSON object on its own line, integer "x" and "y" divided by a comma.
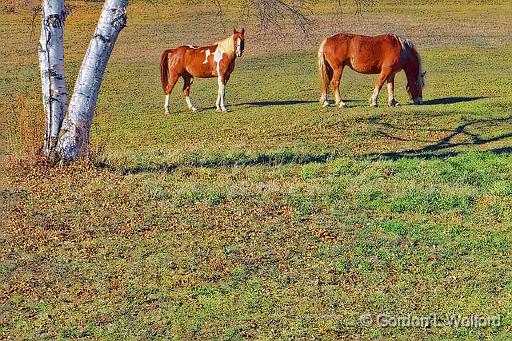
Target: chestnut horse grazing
{"x": 383, "y": 54}
{"x": 217, "y": 60}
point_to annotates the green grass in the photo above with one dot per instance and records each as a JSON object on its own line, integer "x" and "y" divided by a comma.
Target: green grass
{"x": 279, "y": 219}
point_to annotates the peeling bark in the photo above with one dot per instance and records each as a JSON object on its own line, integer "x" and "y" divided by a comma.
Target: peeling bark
{"x": 53, "y": 78}
{"x": 74, "y": 139}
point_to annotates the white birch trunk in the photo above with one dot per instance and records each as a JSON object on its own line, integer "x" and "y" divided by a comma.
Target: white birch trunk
{"x": 74, "y": 139}
{"x": 53, "y": 77}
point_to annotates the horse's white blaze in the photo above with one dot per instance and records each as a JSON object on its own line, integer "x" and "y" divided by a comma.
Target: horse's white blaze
{"x": 239, "y": 47}
{"x": 207, "y": 54}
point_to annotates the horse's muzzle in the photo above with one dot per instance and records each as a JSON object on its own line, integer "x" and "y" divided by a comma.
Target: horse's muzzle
{"x": 418, "y": 101}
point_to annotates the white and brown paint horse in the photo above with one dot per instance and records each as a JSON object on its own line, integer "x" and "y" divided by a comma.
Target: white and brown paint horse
{"x": 217, "y": 60}
{"x": 383, "y": 54}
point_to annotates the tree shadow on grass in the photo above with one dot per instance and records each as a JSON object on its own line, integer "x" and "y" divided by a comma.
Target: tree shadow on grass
{"x": 271, "y": 158}
{"x": 443, "y": 148}
{"x": 439, "y": 148}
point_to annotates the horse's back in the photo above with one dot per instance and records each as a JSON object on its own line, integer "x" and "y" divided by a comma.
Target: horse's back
{"x": 193, "y": 60}
{"x": 365, "y": 54}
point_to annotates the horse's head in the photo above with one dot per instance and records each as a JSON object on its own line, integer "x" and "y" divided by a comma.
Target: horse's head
{"x": 414, "y": 71}
{"x": 238, "y": 39}
{"x": 415, "y": 88}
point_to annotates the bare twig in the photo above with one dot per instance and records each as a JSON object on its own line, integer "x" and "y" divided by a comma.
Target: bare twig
{"x": 275, "y": 13}
{"x": 361, "y": 4}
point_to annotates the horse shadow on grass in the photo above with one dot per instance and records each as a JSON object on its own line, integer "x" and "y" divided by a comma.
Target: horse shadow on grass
{"x": 279, "y": 103}
{"x": 452, "y": 100}
{"x": 266, "y": 103}
{"x": 445, "y": 147}
{"x": 436, "y": 101}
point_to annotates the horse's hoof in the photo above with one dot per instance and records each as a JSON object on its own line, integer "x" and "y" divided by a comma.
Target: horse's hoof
{"x": 193, "y": 109}
{"x": 394, "y": 103}
{"x": 325, "y": 104}
{"x": 343, "y": 105}
{"x": 374, "y": 105}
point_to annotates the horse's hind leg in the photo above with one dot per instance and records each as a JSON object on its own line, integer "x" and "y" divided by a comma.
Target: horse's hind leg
{"x": 187, "y": 82}
{"x": 326, "y": 80}
{"x": 172, "y": 82}
{"x": 336, "y": 77}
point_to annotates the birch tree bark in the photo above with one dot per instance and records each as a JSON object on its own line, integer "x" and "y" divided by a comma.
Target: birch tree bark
{"x": 51, "y": 61}
{"x": 74, "y": 137}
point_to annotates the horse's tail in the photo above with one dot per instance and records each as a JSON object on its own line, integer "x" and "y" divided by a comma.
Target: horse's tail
{"x": 325, "y": 69}
{"x": 164, "y": 72}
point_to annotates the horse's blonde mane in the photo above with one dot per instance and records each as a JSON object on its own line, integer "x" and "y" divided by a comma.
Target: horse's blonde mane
{"x": 227, "y": 45}
{"x": 409, "y": 45}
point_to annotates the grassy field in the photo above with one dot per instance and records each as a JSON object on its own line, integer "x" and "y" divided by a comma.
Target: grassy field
{"x": 279, "y": 219}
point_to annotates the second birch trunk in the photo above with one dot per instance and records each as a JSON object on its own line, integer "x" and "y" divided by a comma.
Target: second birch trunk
{"x": 74, "y": 139}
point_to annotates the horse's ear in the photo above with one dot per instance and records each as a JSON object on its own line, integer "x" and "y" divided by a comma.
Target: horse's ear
{"x": 243, "y": 31}
{"x": 234, "y": 30}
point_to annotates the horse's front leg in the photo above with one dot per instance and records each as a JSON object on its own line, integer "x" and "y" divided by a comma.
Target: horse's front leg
{"x": 384, "y": 74}
{"x": 391, "y": 92}
{"x": 220, "y": 104}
